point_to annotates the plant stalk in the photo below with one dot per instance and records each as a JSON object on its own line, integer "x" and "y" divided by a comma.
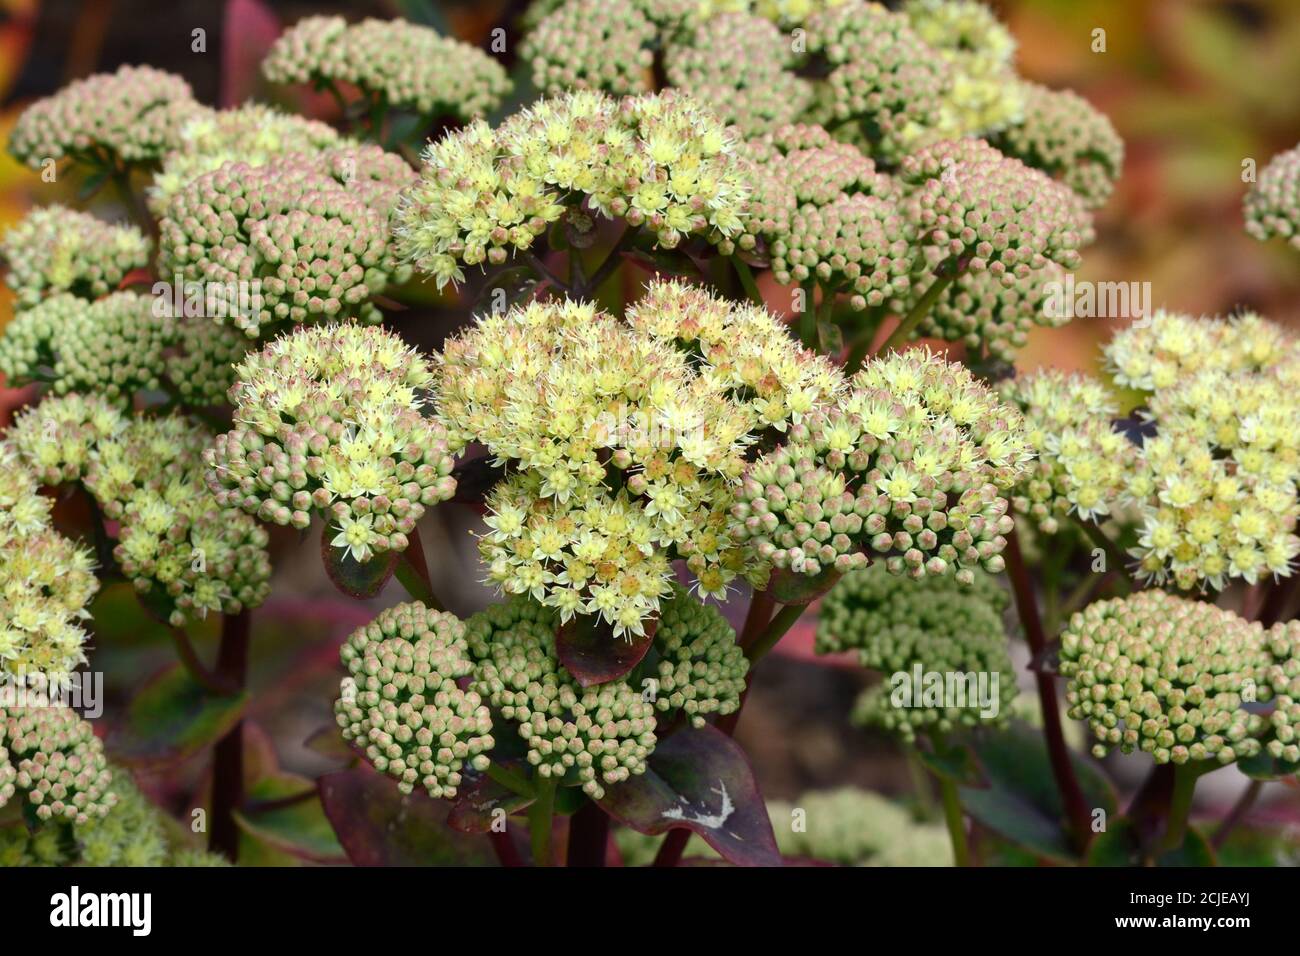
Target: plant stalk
{"x": 540, "y": 821}
{"x": 1237, "y": 813}
{"x": 228, "y": 755}
{"x": 588, "y": 836}
{"x": 918, "y": 312}
{"x": 956, "y": 820}
{"x": 1072, "y": 799}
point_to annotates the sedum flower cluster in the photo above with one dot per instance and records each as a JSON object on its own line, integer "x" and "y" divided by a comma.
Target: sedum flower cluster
{"x": 760, "y": 96}
{"x": 1083, "y": 465}
{"x": 46, "y": 582}
{"x": 300, "y": 238}
{"x": 106, "y": 120}
{"x": 624, "y": 441}
{"x": 252, "y": 134}
{"x": 592, "y": 45}
{"x": 56, "y": 250}
{"x": 823, "y": 212}
{"x": 403, "y": 65}
{"x": 935, "y": 626}
{"x": 114, "y": 346}
{"x": 1215, "y": 487}
{"x": 909, "y": 466}
{"x": 1067, "y": 137}
{"x": 429, "y": 695}
{"x": 402, "y": 703}
{"x": 661, "y": 161}
{"x": 328, "y": 420}
{"x": 983, "y": 95}
{"x": 1272, "y": 205}
{"x": 53, "y": 764}
{"x": 174, "y": 542}
{"x": 133, "y": 833}
{"x": 990, "y": 317}
{"x": 1171, "y": 677}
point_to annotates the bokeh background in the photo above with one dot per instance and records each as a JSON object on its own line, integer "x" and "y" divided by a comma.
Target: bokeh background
{"x": 1196, "y": 88}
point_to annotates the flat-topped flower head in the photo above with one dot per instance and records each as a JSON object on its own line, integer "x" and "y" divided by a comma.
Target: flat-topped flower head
{"x": 1084, "y": 465}
{"x": 1272, "y": 204}
{"x": 251, "y": 134}
{"x": 592, "y": 45}
{"x": 700, "y": 668}
{"x": 56, "y": 438}
{"x": 1215, "y": 486}
{"x": 1167, "y": 676}
{"x": 884, "y": 88}
{"x": 402, "y": 703}
{"x": 181, "y": 549}
{"x": 759, "y": 96}
{"x": 54, "y": 250}
{"x": 626, "y": 440}
{"x": 46, "y": 582}
{"x": 659, "y": 160}
{"x": 114, "y": 346}
{"x": 979, "y": 210}
{"x": 983, "y": 94}
{"x": 404, "y": 65}
{"x": 1067, "y": 137}
{"x": 910, "y": 465}
{"x": 328, "y": 420}
{"x": 131, "y": 116}
{"x": 58, "y": 765}
{"x": 201, "y": 368}
{"x": 299, "y": 238}
{"x": 595, "y": 736}
{"x": 936, "y": 626}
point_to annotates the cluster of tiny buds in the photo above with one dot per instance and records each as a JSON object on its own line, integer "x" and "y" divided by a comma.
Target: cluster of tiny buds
{"x": 592, "y": 45}
{"x": 405, "y": 65}
{"x": 54, "y": 249}
{"x": 403, "y": 704}
{"x": 105, "y": 120}
{"x": 57, "y": 762}
{"x": 328, "y": 420}
{"x": 1272, "y": 205}
{"x": 701, "y": 668}
{"x": 599, "y": 735}
{"x": 1167, "y": 676}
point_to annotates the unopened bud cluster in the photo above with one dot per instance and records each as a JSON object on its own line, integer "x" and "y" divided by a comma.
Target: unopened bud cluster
{"x": 402, "y": 704}
{"x": 51, "y": 760}
{"x": 701, "y": 669}
{"x": 935, "y": 625}
{"x": 403, "y": 65}
{"x": 1272, "y": 205}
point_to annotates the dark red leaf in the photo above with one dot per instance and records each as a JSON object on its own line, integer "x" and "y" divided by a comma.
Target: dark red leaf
{"x": 590, "y": 652}
{"x": 361, "y": 581}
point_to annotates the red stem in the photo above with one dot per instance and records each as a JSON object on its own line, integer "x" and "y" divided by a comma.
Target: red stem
{"x": 1076, "y": 806}
{"x": 588, "y": 836}
{"x": 228, "y": 755}
{"x": 505, "y": 849}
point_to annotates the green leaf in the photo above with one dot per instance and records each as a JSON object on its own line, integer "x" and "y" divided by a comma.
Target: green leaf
{"x": 830, "y": 338}
{"x": 950, "y": 760}
{"x": 1020, "y": 801}
{"x": 298, "y": 829}
{"x": 172, "y": 718}
{"x": 699, "y": 779}
{"x": 378, "y": 826}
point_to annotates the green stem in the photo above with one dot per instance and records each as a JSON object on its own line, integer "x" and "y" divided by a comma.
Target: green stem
{"x": 808, "y": 317}
{"x": 919, "y": 312}
{"x": 956, "y": 820}
{"x": 539, "y": 820}
{"x": 514, "y": 782}
{"x": 774, "y": 631}
{"x": 1180, "y": 806}
{"x": 859, "y": 351}
{"x": 747, "y": 279}
{"x": 1098, "y": 537}
{"x": 920, "y": 783}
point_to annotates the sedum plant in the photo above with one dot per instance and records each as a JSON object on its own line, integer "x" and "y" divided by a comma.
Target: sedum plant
{"x": 548, "y": 315}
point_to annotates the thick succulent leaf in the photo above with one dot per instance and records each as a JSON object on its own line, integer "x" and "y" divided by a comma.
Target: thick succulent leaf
{"x": 478, "y": 800}
{"x": 172, "y": 718}
{"x": 590, "y": 652}
{"x": 1020, "y": 801}
{"x": 379, "y": 826}
{"x": 701, "y": 780}
{"x": 299, "y": 829}
{"x": 353, "y": 578}
{"x": 787, "y": 587}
